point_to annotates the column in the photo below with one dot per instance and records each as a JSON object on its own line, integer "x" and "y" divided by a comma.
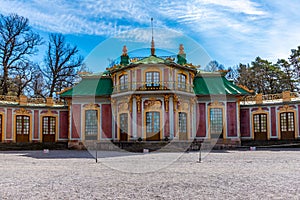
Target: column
{"x": 171, "y": 113}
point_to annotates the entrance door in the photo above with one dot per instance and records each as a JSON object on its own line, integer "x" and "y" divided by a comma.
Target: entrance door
{"x": 260, "y": 127}
{"x": 153, "y": 126}
{"x": 287, "y": 126}
{"x": 49, "y": 129}
{"x": 22, "y": 128}
{"x": 123, "y": 127}
{"x": 182, "y": 126}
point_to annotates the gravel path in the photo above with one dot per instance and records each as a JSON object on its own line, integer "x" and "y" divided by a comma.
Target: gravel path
{"x": 268, "y": 174}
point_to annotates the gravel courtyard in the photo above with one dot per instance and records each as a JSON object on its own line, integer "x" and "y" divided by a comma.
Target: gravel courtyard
{"x": 261, "y": 174}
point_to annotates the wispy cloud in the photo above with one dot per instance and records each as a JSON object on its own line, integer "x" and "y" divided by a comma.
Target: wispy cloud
{"x": 232, "y": 31}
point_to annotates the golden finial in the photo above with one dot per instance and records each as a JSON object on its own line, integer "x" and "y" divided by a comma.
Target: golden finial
{"x": 181, "y": 49}
{"x": 124, "y": 50}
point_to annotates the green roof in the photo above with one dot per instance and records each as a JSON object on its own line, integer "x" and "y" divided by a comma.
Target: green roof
{"x": 150, "y": 60}
{"x": 94, "y": 86}
{"x": 216, "y": 85}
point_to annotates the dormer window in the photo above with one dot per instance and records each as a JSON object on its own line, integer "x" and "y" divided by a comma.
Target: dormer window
{"x": 123, "y": 82}
{"x": 152, "y": 79}
{"x": 181, "y": 81}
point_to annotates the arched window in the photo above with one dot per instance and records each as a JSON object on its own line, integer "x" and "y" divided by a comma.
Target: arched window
{"x": 181, "y": 81}
{"x": 123, "y": 82}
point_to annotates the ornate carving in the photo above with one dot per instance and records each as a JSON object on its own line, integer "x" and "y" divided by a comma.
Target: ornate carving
{"x": 91, "y": 106}
{"x": 259, "y": 98}
{"x": 152, "y": 104}
{"x": 216, "y": 103}
{"x": 22, "y": 111}
{"x": 286, "y": 96}
{"x": 138, "y": 102}
{"x": 286, "y": 108}
{"x": 166, "y": 99}
{"x": 123, "y": 107}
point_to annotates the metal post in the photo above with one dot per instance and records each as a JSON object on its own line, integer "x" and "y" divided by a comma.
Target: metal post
{"x": 200, "y": 153}
{"x": 96, "y": 153}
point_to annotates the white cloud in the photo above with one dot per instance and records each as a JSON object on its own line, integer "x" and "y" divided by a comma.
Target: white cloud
{"x": 232, "y": 30}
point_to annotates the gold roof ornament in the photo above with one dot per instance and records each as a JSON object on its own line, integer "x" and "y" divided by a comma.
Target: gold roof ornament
{"x": 181, "y": 49}
{"x": 124, "y": 51}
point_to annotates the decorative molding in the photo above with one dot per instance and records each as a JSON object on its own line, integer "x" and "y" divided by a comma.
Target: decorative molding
{"x": 91, "y": 106}
{"x": 123, "y": 107}
{"x": 138, "y": 102}
{"x": 286, "y": 108}
{"x": 216, "y": 103}
{"x": 152, "y": 105}
{"x": 23, "y": 111}
{"x": 166, "y": 99}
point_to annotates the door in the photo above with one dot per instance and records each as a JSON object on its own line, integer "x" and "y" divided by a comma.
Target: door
{"x": 153, "y": 126}
{"x": 49, "y": 129}
{"x": 182, "y": 126}
{"x": 22, "y": 128}
{"x": 123, "y": 127}
{"x": 260, "y": 127}
{"x": 287, "y": 126}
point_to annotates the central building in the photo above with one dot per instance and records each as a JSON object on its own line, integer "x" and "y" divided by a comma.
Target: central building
{"x": 153, "y": 99}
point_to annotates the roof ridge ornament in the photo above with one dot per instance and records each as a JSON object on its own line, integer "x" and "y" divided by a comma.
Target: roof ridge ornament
{"x": 152, "y": 41}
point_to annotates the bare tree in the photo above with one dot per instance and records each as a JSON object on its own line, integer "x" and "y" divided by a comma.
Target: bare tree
{"x": 62, "y": 63}
{"x": 17, "y": 43}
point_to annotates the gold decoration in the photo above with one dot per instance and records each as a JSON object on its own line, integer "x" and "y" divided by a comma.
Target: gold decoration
{"x": 91, "y": 106}
{"x": 166, "y": 99}
{"x": 286, "y": 108}
{"x": 124, "y": 51}
{"x": 138, "y": 102}
{"x": 286, "y": 96}
{"x": 181, "y": 49}
{"x": 153, "y": 105}
{"x": 123, "y": 107}
{"x": 23, "y": 111}
{"x": 259, "y": 98}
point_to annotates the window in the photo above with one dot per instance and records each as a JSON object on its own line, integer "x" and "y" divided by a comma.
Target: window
{"x": 91, "y": 123}
{"x": 22, "y": 125}
{"x": 260, "y": 123}
{"x": 124, "y": 123}
{"x": 152, "y": 79}
{"x": 181, "y": 81}
{"x": 152, "y": 122}
{"x": 123, "y": 82}
{"x": 182, "y": 122}
{"x": 216, "y": 122}
{"x": 287, "y": 121}
{"x": 49, "y": 125}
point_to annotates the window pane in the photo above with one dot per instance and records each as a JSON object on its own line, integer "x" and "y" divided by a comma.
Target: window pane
{"x": 124, "y": 82}
{"x": 182, "y": 122}
{"x": 216, "y": 120}
{"x": 124, "y": 123}
{"x": 91, "y": 122}
{"x": 260, "y": 123}
{"x": 152, "y": 122}
{"x": 283, "y": 122}
{"x": 181, "y": 81}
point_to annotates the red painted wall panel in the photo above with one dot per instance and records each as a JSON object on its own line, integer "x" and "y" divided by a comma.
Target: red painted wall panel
{"x": 166, "y": 125}
{"x": 36, "y": 125}
{"x": 9, "y": 123}
{"x": 106, "y": 121}
{"x": 76, "y": 121}
{"x": 139, "y": 77}
{"x": 139, "y": 125}
{"x": 64, "y": 125}
{"x": 201, "y": 120}
{"x": 231, "y": 119}
{"x": 273, "y": 121}
{"x": 245, "y": 123}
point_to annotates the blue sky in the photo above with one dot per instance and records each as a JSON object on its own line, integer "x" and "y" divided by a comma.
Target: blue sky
{"x": 229, "y": 31}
